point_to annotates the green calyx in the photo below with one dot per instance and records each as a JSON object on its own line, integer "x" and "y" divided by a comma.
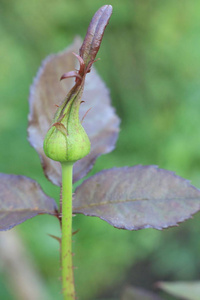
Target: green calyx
{"x": 66, "y": 140}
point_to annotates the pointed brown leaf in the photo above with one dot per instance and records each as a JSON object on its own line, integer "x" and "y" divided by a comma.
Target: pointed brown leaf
{"x": 137, "y": 197}
{"x": 92, "y": 41}
{"x": 101, "y": 124}
{"x": 183, "y": 290}
{"x": 22, "y": 198}
{"x": 133, "y": 293}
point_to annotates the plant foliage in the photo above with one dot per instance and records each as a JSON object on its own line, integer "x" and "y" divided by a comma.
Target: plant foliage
{"x": 22, "y": 198}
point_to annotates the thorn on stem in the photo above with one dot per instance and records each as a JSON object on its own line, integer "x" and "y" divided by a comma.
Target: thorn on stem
{"x": 73, "y": 233}
{"x": 55, "y": 237}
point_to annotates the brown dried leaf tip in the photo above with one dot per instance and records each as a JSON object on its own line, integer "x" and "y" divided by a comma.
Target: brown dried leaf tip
{"x": 91, "y": 43}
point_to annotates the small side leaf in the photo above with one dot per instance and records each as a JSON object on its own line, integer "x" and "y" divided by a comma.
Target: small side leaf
{"x": 22, "y": 198}
{"x": 133, "y": 293}
{"x": 183, "y": 290}
{"x": 137, "y": 197}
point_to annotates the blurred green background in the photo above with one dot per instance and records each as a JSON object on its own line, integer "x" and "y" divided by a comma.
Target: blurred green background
{"x": 150, "y": 60}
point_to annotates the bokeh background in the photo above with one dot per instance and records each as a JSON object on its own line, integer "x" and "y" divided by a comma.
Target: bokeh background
{"x": 150, "y": 60}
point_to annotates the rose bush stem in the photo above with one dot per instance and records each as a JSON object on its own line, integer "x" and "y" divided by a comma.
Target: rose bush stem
{"x": 66, "y": 242}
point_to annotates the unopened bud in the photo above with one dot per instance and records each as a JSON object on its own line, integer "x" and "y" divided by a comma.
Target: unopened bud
{"x": 66, "y": 140}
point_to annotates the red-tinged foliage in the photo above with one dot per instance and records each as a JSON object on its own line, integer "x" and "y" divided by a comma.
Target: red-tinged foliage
{"x": 22, "y": 198}
{"x": 137, "y": 197}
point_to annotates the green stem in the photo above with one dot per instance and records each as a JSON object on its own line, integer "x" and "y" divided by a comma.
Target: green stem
{"x": 66, "y": 244}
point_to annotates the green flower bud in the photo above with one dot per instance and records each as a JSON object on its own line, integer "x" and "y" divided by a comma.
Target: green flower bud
{"x": 66, "y": 140}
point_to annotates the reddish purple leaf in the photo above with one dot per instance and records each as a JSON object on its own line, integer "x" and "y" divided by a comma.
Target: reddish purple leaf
{"x": 101, "y": 123}
{"x": 22, "y": 198}
{"x": 137, "y": 197}
{"x": 133, "y": 293}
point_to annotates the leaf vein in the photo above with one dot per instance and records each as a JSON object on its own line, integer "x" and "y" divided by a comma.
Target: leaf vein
{"x": 130, "y": 200}
{"x": 110, "y": 202}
